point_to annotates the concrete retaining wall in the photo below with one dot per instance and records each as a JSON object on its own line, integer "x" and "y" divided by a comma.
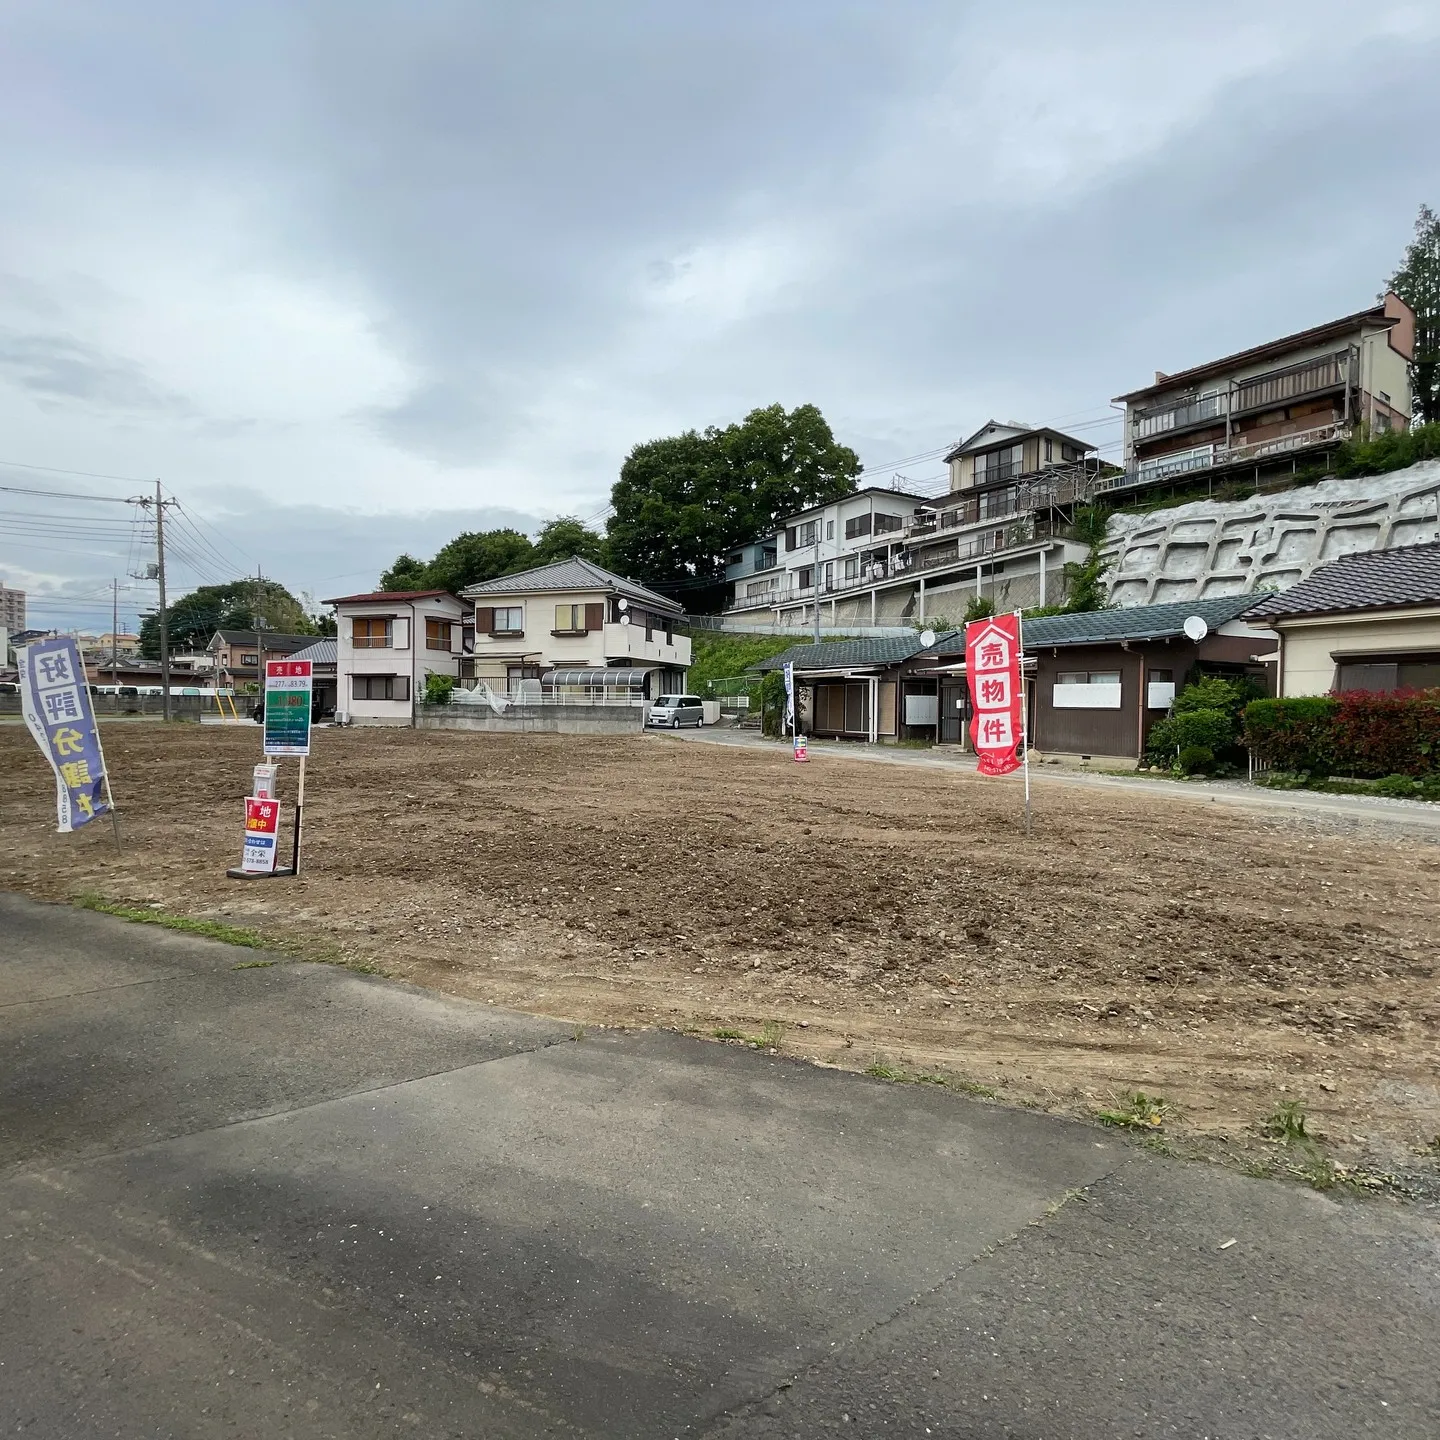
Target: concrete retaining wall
{"x": 539, "y": 719}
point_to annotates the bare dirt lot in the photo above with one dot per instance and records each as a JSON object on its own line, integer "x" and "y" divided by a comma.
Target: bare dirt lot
{"x": 853, "y": 913}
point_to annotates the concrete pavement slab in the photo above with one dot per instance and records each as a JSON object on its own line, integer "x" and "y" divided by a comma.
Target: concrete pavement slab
{"x": 98, "y": 1057}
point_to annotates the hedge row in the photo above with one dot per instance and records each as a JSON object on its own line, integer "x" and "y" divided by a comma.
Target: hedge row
{"x": 1359, "y": 733}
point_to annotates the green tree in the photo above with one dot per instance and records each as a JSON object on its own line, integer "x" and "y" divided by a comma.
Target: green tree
{"x": 566, "y": 537}
{"x": 478, "y": 555}
{"x": 683, "y": 503}
{"x": 407, "y": 573}
{"x": 1417, "y": 283}
{"x": 236, "y": 605}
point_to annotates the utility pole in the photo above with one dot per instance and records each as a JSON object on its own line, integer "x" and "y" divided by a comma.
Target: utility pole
{"x": 114, "y": 626}
{"x": 164, "y": 618}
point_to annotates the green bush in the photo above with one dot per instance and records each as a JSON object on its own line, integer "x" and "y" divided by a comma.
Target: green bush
{"x": 438, "y": 689}
{"x": 1211, "y": 730}
{"x": 1195, "y": 758}
{"x": 1394, "y": 450}
{"x": 1293, "y": 734}
{"x": 1397, "y": 787}
{"x": 1217, "y": 692}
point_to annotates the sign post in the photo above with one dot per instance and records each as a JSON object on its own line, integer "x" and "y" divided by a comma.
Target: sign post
{"x": 993, "y": 654}
{"x": 55, "y": 701}
{"x": 288, "y": 701}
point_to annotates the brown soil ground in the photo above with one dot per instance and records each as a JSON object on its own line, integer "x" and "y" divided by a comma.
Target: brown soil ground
{"x": 875, "y": 913}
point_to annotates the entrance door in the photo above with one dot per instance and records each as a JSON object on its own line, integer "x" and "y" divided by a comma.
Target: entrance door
{"x": 952, "y": 712}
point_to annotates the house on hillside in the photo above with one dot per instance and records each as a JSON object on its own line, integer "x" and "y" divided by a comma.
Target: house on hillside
{"x": 573, "y": 626}
{"x": 386, "y": 643}
{"x": 1364, "y": 622}
{"x": 1270, "y": 409}
{"x": 885, "y": 557}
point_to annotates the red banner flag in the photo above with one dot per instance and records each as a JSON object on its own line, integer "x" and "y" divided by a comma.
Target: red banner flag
{"x": 992, "y": 667}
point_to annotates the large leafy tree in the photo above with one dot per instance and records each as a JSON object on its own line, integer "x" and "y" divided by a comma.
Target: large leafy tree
{"x": 407, "y": 573}
{"x": 566, "y": 537}
{"x": 683, "y": 503}
{"x": 1417, "y": 283}
{"x": 235, "y": 605}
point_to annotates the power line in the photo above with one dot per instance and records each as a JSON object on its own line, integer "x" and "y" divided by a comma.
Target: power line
{"x": 84, "y": 474}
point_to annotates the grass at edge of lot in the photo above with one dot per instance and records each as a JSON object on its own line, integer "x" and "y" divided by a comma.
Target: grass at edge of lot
{"x": 316, "y": 953}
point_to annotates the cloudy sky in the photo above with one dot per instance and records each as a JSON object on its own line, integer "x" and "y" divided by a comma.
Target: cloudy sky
{"x": 350, "y": 276}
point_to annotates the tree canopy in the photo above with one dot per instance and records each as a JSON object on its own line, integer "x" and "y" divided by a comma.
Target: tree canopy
{"x": 1417, "y": 283}
{"x": 487, "y": 554}
{"x": 235, "y": 605}
{"x": 683, "y": 503}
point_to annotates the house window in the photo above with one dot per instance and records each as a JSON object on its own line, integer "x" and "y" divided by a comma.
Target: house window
{"x": 581, "y": 619}
{"x": 514, "y": 674}
{"x": 829, "y": 574}
{"x": 852, "y": 567}
{"x": 999, "y": 464}
{"x": 508, "y": 620}
{"x": 760, "y": 587}
{"x": 370, "y": 634}
{"x": 1070, "y": 452}
{"x": 856, "y": 526}
{"x": 886, "y": 523}
{"x": 249, "y": 659}
{"x": 805, "y": 578}
{"x": 808, "y": 533}
{"x": 738, "y": 558}
{"x": 1049, "y": 448}
{"x": 380, "y": 687}
{"x": 1086, "y": 690}
{"x": 829, "y": 529}
{"x": 437, "y": 634}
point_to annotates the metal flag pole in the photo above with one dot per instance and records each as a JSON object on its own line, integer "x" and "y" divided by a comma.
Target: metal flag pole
{"x": 1024, "y": 713}
{"x": 299, "y": 814}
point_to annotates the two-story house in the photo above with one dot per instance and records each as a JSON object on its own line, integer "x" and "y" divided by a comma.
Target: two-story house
{"x": 1273, "y": 408}
{"x": 238, "y": 656}
{"x": 386, "y": 643}
{"x": 574, "y": 625}
{"x": 887, "y": 557}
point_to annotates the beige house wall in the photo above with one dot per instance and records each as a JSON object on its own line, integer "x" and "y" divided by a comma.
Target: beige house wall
{"x": 1308, "y": 647}
{"x": 411, "y": 658}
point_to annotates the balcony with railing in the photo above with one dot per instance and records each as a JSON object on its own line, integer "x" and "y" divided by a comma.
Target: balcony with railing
{"x": 1038, "y": 491}
{"x": 1255, "y": 392}
{"x": 1215, "y": 457}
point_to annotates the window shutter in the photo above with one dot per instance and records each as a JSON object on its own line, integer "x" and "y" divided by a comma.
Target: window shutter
{"x": 400, "y": 632}
{"x": 789, "y": 537}
{"x": 484, "y": 618}
{"x": 359, "y": 687}
{"x": 402, "y": 688}
{"x": 457, "y": 637}
{"x": 594, "y": 616}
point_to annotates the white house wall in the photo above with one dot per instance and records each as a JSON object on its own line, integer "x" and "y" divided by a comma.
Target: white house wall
{"x": 411, "y": 658}
{"x": 1269, "y": 542}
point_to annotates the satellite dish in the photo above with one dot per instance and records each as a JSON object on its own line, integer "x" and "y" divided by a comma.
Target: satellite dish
{"x": 624, "y": 619}
{"x": 1196, "y": 629}
{"x": 927, "y": 638}
{"x": 623, "y": 606}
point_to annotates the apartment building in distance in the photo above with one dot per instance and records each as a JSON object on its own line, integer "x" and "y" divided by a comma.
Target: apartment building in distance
{"x": 12, "y": 609}
{"x": 884, "y": 557}
{"x": 1271, "y": 410}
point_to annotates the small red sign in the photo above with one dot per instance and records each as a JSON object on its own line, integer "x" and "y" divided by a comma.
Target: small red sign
{"x": 281, "y": 669}
{"x": 992, "y": 667}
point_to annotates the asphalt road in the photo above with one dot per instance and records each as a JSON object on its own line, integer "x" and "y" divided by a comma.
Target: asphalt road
{"x": 294, "y": 1201}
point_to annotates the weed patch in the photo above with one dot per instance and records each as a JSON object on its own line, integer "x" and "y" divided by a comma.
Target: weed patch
{"x": 1137, "y": 1111}
{"x": 209, "y": 929}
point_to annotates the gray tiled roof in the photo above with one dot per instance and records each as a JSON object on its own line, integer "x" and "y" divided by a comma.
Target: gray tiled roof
{"x": 1375, "y": 580}
{"x": 1138, "y": 622}
{"x": 572, "y": 574}
{"x": 274, "y": 639}
{"x": 322, "y": 652}
{"x": 843, "y": 654}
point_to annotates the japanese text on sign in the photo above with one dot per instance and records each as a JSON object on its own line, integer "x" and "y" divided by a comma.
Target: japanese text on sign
{"x": 287, "y": 706}
{"x": 55, "y": 700}
{"x": 992, "y": 666}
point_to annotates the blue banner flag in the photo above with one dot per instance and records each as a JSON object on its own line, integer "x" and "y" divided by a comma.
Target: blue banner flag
{"x": 55, "y": 700}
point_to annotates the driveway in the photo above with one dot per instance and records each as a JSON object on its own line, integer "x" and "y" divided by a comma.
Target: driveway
{"x": 1416, "y": 818}
{"x": 282, "y": 1199}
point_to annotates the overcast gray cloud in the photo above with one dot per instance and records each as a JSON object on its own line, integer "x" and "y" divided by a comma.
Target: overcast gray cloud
{"x": 332, "y": 260}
